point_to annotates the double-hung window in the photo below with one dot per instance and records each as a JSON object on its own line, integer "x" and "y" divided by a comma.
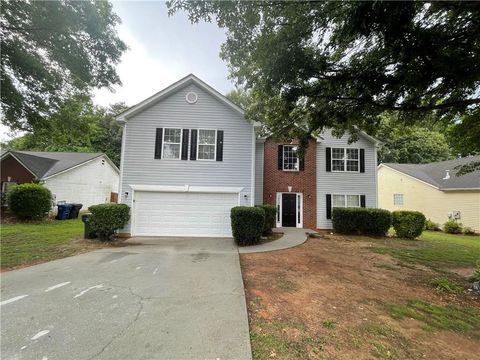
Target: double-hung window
{"x": 172, "y": 143}
{"x": 345, "y": 159}
{"x": 206, "y": 147}
{"x": 290, "y": 158}
{"x": 345, "y": 201}
{"x": 398, "y": 199}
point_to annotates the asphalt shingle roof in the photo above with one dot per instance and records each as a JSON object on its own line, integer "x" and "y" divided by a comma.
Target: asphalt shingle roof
{"x": 44, "y": 164}
{"x": 435, "y": 173}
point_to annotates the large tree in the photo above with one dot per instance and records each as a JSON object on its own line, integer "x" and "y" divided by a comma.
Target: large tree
{"x": 77, "y": 125}
{"x": 317, "y": 64}
{"x": 52, "y": 50}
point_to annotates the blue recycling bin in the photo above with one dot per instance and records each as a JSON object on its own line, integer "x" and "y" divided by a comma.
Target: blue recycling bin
{"x": 64, "y": 211}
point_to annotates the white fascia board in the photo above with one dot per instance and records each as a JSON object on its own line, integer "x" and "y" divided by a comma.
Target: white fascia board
{"x": 110, "y": 162}
{"x": 123, "y": 117}
{"x": 407, "y": 175}
{"x": 187, "y": 188}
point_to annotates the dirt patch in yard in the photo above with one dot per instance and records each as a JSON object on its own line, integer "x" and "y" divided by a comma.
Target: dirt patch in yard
{"x": 333, "y": 298}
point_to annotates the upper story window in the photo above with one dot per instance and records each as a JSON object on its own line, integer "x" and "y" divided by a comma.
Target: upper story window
{"x": 345, "y": 159}
{"x": 346, "y": 201}
{"x": 290, "y": 158}
{"x": 206, "y": 148}
{"x": 398, "y": 199}
{"x": 172, "y": 143}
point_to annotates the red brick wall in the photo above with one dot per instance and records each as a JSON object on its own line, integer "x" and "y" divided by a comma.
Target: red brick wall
{"x": 11, "y": 167}
{"x": 275, "y": 180}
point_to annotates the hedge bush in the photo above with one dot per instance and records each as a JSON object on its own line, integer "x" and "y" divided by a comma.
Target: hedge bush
{"x": 467, "y": 230}
{"x": 432, "y": 226}
{"x": 106, "y": 218}
{"x": 29, "y": 201}
{"x": 270, "y": 218}
{"x": 247, "y": 224}
{"x": 408, "y": 224}
{"x": 452, "y": 227}
{"x": 361, "y": 221}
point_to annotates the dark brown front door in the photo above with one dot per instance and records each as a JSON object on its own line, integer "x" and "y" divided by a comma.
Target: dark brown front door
{"x": 289, "y": 213}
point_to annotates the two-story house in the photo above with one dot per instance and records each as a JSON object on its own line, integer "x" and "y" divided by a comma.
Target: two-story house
{"x": 189, "y": 156}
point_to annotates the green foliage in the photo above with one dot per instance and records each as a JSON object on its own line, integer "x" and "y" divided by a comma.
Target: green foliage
{"x": 411, "y": 144}
{"x": 247, "y": 224}
{"x": 464, "y": 134}
{"x": 452, "y": 227}
{"x": 449, "y": 317}
{"x": 52, "y": 50}
{"x": 327, "y": 64}
{"x": 476, "y": 274}
{"x": 467, "y": 230}
{"x": 106, "y": 218}
{"x": 444, "y": 284}
{"x": 270, "y": 218}
{"x": 361, "y": 221}
{"x": 408, "y": 224}
{"x": 328, "y": 324}
{"x": 77, "y": 126}
{"x": 432, "y": 226}
{"x": 29, "y": 201}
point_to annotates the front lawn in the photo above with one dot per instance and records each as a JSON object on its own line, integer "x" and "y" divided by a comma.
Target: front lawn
{"x": 343, "y": 297}
{"x": 30, "y": 243}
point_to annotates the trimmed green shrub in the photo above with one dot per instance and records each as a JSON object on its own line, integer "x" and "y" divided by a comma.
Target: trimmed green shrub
{"x": 408, "y": 224}
{"x": 106, "y": 218}
{"x": 452, "y": 227}
{"x": 361, "y": 221}
{"x": 247, "y": 224}
{"x": 476, "y": 274}
{"x": 29, "y": 201}
{"x": 270, "y": 218}
{"x": 467, "y": 230}
{"x": 432, "y": 226}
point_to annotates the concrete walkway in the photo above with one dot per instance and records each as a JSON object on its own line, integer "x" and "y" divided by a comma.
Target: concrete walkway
{"x": 159, "y": 298}
{"x": 291, "y": 237}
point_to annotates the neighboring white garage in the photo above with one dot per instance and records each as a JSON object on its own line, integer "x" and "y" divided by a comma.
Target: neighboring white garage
{"x": 183, "y": 210}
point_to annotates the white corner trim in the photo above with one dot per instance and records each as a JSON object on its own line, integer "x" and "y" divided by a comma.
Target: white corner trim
{"x": 407, "y": 175}
{"x": 187, "y": 188}
{"x": 252, "y": 186}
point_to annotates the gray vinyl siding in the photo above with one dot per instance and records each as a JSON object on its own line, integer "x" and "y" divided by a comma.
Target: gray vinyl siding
{"x": 344, "y": 182}
{"x": 140, "y": 167}
{"x": 259, "y": 173}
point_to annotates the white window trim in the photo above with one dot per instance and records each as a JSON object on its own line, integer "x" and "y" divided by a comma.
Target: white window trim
{"x": 215, "y": 144}
{"x": 298, "y": 209}
{"x": 345, "y": 198}
{"x": 283, "y": 159}
{"x": 345, "y": 159}
{"x": 402, "y": 197}
{"x": 167, "y": 142}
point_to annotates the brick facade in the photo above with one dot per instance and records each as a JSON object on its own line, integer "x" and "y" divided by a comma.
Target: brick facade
{"x": 304, "y": 181}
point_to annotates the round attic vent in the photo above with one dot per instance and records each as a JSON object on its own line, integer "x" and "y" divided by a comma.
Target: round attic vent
{"x": 191, "y": 97}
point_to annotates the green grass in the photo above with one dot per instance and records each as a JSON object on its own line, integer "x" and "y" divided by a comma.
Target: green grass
{"x": 36, "y": 242}
{"x": 449, "y": 317}
{"x": 445, "y": 284}
{"x": 434, "y": 249}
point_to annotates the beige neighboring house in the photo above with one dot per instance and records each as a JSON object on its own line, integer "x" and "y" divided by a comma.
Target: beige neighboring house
{"x": 434, "y": 189}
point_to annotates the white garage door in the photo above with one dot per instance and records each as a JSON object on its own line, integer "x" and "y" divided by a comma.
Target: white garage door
{"x": 183, "y": 214}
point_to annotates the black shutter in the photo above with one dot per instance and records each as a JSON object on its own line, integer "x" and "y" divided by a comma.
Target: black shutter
{"x": 301, "y": 163}
{"x": 362, "y": 160}
{"x": 185, "y": 144}
{"x": 219, "y": 145}
{"x": 193, "y": 145}
{"x": 362, "y": 200}
{"x": 158, "y": 143}
{"x": 328, "y": 159}
{"x": 329, "y": 206}
{"x": 280, "y": 157}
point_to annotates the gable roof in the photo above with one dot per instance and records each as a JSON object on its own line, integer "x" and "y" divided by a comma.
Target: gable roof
{"x": 187, "y": 80}
{"x": 435, "y": 173}
{"x": 44, "y": 164}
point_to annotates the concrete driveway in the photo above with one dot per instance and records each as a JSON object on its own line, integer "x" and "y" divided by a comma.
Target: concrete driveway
{"x": 160, "y": 299}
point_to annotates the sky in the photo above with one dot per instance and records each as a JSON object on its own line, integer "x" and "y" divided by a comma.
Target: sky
{"x": 162, "y": 50}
